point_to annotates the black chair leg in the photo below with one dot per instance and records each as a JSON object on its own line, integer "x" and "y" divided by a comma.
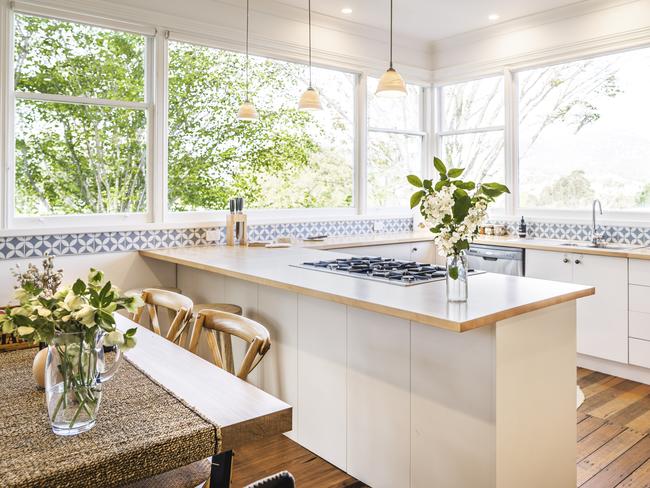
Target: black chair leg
{"x": 221, "y": 472}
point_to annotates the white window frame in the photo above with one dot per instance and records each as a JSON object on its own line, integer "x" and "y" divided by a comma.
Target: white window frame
{"x": 270, "y": 214}
{"x": 513, "y": 209}
{"x": 14, "y": 221}
{"x": 422, "y": 133}
{"x": 439, "y": 132}
{"x": 627, "y": 217}
{"x": 156, "y": 65}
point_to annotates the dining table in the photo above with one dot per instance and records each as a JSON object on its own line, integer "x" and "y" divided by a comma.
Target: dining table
{"x": 164, "y": 409}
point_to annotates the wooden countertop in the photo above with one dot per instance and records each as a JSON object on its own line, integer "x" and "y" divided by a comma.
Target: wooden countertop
{"x": 492, "y": 297}
{"x": 554, "y": 245}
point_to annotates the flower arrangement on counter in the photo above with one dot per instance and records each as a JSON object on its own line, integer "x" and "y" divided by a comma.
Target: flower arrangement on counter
{"x": 453, "y": 209}
{"x": 76, "y": 322}
{"x": 45, "y": 308}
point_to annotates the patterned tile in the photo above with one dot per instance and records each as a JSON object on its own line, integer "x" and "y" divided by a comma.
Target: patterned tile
{"x": 618, "y": 234}
{"x": 106, "y": 242}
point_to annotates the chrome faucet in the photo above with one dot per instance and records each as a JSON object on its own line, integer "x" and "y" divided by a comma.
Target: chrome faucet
{"x": 596, "y": 238}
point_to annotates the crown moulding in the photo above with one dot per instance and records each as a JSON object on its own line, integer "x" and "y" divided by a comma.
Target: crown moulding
{"x": 228, "y": 33}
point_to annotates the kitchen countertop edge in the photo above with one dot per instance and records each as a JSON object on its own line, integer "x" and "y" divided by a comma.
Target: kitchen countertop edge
{"x": 373, "y": 306}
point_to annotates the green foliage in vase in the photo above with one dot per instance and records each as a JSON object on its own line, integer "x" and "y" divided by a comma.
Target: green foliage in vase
{"x": 84, "y": 307}
{"x": 452, "y": 208}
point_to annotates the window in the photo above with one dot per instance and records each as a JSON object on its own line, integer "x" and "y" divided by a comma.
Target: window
{"x": 471, "y": 129}
{"x": 80, "y": 119}
{"x": 288, "y": 159}
{"x": 583, "y": 132}
{"x": 395, "y": 146}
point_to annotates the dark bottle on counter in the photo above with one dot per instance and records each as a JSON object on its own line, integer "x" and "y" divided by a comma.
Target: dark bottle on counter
{"x": 522, "y": 230}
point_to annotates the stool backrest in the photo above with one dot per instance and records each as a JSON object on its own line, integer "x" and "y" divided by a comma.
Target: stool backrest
{"x": 220, "y": 327}
{"x": 179, "y": 308}
{"x": 283, "y": 479}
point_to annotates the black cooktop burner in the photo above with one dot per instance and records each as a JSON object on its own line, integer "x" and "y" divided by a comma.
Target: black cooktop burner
{"x": 394, "y": 271}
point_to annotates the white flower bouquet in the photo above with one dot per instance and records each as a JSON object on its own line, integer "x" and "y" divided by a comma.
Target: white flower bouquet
{"x": 453, "y": 209}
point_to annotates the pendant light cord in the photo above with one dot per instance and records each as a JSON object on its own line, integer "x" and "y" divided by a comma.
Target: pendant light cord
{"x": 309, "y": 8}
{"x": 391, "y": 34}
{"x": 247, "y": 60}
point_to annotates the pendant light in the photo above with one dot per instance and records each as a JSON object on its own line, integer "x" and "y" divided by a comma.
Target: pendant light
{"x": 310, "y": 100}
{"x": 247, "y": 110}
{"x": 391, "y": 84}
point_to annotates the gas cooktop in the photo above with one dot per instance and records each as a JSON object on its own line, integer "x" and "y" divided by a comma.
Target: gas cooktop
{"x": 394, "y": 271}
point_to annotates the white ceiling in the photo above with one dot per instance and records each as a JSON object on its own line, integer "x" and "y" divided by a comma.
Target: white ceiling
{"x": 431, "y": 19}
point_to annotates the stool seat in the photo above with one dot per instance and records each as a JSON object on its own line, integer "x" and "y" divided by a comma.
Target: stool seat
{"x": 138, "y": 291}
{"x": 221, "y": 307}
{"x": 190, "y": 476}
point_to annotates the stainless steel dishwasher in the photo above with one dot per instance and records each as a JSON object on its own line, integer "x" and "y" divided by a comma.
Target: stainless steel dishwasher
{"x": 497, "y": 259}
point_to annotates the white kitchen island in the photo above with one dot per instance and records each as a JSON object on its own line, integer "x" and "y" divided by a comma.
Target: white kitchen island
{"x": 398, "y": 387}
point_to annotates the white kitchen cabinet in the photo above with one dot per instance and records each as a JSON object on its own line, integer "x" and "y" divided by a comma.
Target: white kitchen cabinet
{"x": 322, "y": 377}
{"x": 379, "y": 399}
{"x": 640, "y": 325}
{"x": 278, "y": 311}
{"x": 602, "y": 318}
{"x": 549, "y": 266}
{"x": 640, "y": 272}
{"x": 640, "y": 353}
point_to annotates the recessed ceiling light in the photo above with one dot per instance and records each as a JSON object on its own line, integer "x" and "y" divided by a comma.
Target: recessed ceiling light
{"x": 346, "y": 10}
{"x": 493, "y": 17}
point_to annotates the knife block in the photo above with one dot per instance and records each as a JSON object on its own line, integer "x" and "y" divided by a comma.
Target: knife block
{"x": 231, "y": 223}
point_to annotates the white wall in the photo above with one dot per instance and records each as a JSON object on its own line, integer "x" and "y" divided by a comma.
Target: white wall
{"x": 581, "y": 29}
{"x": 125, "y": 270}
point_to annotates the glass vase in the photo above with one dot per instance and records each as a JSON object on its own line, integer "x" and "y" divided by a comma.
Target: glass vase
{"x": 74, "y": 373}
{"x": 457, "y": 277}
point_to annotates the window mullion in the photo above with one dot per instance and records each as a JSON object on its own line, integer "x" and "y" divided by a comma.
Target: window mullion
{"x": 7, "y": 104}
{"x": 477, "y": 130}
{"x": 78, "y": 100}
{"x": 361, "y": 153}
{"x": 401, "y": 132}
{"x": 160, "y": 209}
{"x": 511, "y": 146}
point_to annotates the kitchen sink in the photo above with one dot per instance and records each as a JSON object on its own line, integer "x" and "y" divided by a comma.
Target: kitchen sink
{"x": 588, "y": 245}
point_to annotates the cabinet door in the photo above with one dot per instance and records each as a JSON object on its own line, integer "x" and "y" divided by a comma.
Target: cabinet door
{"x": 379, "y": 399}
{"x": 322, "y": 377}
{"x": 546, "y": 265}
{"x": 602, "y": 318}
{"x": 278, "y": 311}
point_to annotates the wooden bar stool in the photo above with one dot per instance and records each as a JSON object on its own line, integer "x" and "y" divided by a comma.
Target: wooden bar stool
{"x": 220, "y": 327}
{"x": 221, "y": 307}
{"x": 138, "y": 291}
{"x": 178, "y": 306}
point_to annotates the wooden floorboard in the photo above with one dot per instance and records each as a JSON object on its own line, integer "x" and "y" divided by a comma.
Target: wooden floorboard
{"x": 613, "y": 433}
{"x": 613, "y": 443}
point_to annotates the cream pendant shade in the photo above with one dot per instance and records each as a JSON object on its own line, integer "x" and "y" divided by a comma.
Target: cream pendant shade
{"x": 391, "y": 84}
{"x": 310, "y": 100}
{"x": 247, "y": 112}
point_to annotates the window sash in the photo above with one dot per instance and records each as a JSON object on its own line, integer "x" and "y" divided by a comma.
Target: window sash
{"x": 13, "y": 220}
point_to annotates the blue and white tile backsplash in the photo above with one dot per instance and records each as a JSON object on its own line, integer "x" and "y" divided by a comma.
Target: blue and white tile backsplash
{"x": 102, "y": 242}
{"x": 618, "y": 234}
